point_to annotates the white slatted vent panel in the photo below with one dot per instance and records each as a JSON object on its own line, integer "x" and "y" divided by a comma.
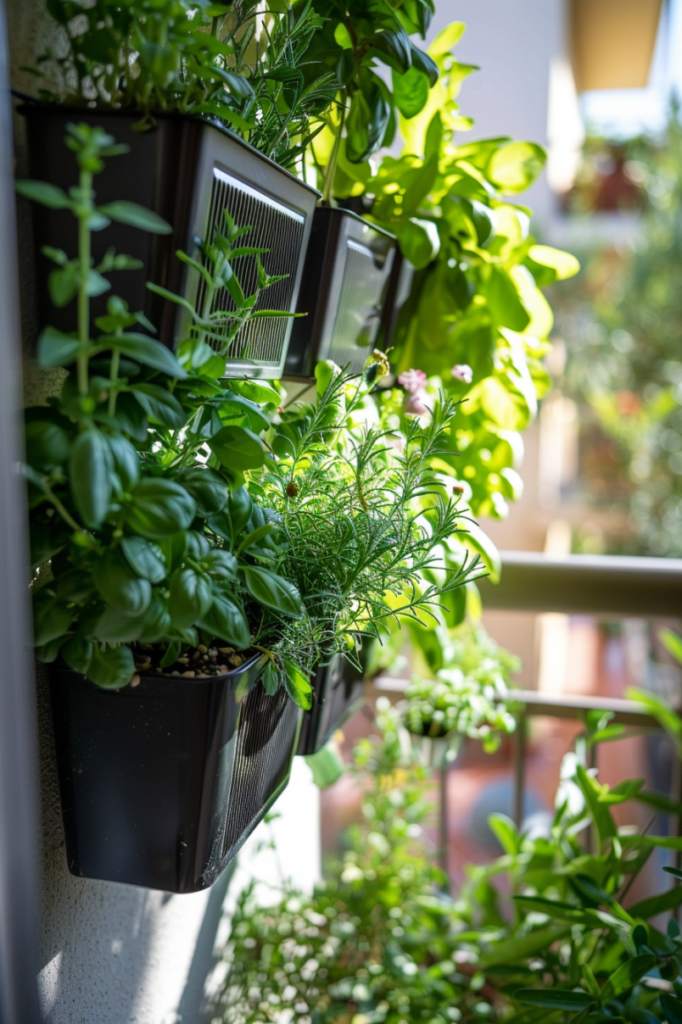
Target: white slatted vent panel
{"x": 274, "y": 227}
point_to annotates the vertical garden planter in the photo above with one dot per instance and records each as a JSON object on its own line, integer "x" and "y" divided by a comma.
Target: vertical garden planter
{"x": 344, "y": 290}
{"x": 399, "y": 288}
{"x": 162, "y": 783}
{"x": 188, "y": 171}
{"x": 337, "y": 694}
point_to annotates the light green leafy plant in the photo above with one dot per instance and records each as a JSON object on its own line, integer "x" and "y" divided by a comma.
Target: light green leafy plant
{"x": 476, "y": 321}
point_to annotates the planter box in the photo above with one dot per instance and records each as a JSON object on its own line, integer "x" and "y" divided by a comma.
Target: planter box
{"x": 162, "y": 783}
{"x": 344, "y": 289}
{"x": 399, "y": 288}
{"x": 188, "y": 171}
{"x": 338, "y": 692}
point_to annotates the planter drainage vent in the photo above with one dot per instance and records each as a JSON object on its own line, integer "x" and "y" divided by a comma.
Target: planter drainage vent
{"x": 277, "y": 228}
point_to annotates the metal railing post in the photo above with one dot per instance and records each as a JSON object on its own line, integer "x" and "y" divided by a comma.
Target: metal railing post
{"x": 519, "y": 767}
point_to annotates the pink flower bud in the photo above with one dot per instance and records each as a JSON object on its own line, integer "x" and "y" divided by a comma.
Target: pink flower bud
{"x": 412, "y": 380}
{"x": 415, "y": 404}
{"x": 463, "y": 372}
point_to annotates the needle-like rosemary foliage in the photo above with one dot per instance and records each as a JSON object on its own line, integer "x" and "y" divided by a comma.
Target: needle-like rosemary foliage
{"x": 362, "y": 514}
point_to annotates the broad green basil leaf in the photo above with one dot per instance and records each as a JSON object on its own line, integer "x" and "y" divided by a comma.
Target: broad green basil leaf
{"x": 147, "y": 559}
{"x": 419, "y": 241}
{"x": 160, "y": 508}
{"x": 51, "y": 617}
{"x": 239, "y": 506}
{"x": 74, "y": 585}
{"x": 190, "y": 597}
{"x": 226, "y": 621}
{"x": 47, "y": 445}
{"x": 126, "y": 460}
{"x": 672, "y": 1008}
{"x": 144, "y": 349}
{"x": 120, "y": 586}
{"x": 63, "y": 285}
{"x": 160, "y": 405}
{"x": 90, "y": 466}
{"x": 112, "y": 667}
{"x": 115, "y": 626}
{"x": 157, "y": 622}
{"x": 425, "y": 64}
{"x": 238, "y": 448}
{"x": 297, "y": 685}
{"x": 136, "y": 216}
{"x": 130, "y": 417}
{"x": 221, "y": 565}
{"x": 172, "y": 653}
{"x": 272, "y": 591}
{"x": 57, "y": 349}
{"x": 77, "y": 653}
{"x": 233, "y": 406}
{"x": 50, "y": 652}
{"x": 197, "y": 546}
{"x": 209, "y": 491}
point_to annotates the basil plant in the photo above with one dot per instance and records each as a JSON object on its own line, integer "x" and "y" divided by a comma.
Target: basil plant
{"x": 142, "y": 530}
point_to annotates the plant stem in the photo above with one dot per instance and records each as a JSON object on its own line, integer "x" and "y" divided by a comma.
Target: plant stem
{"x": 330, "y": 172}
{"x": 115, "y": 362}
{"x": 84, "y": 258}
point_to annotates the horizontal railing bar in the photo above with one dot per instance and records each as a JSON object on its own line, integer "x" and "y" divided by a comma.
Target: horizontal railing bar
{"x": 565, "y": 705}
{"x": 613, "y": 585}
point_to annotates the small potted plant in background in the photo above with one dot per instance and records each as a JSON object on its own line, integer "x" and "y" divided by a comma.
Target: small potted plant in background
{"x": 168, "y": 81}
{"x": 465, "y": 699}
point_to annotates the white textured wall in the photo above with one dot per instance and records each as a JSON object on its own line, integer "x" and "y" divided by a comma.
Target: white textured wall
{"x": 514, "y": 42}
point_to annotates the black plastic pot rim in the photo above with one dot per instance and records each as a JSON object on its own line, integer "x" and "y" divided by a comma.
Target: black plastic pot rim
{"x": 163, "y": 115}
{"x": 341, "y": 210}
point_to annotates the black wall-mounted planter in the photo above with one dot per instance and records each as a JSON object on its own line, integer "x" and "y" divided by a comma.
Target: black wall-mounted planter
{"x": 162, "y": 783}
{"x": 338, "y": 692}
{"x": 343, "y": 291}
{"x": 399, "y": 288}
{"x": 188, "y": 171}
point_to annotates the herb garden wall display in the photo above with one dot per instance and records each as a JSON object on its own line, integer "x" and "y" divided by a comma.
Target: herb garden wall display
{"x": 204, "y": 546}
